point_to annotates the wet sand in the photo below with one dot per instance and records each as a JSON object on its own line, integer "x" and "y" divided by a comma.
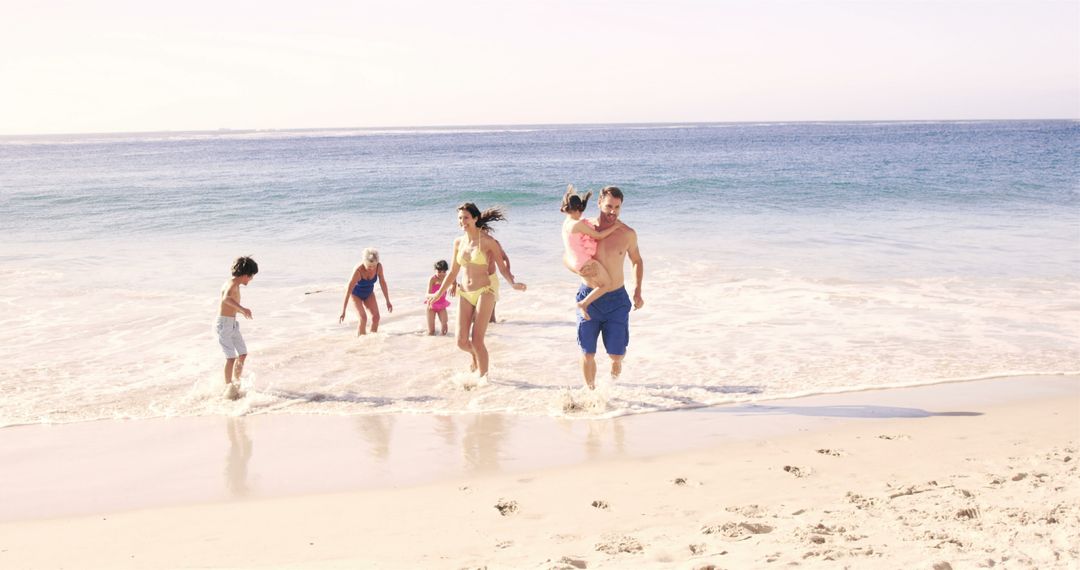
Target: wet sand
{"x": 969, "y": 474}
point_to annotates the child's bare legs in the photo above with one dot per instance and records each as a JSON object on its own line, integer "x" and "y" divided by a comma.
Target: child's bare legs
{"x": 431, "y": 322}
{"x": 362, "y": 327}
{"x": 600, "y": 282}
{"x": 233, "y": 368}
{"x": 372, "y": 305}
{"x": 229, "y": 369}
{"x": 442, "y": 319}
{"x": 239, "y": 368}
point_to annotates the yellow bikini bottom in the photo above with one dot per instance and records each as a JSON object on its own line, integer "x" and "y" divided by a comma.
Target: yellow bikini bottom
{"x": 473, "y": 297}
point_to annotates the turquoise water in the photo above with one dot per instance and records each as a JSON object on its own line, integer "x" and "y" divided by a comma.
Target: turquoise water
{"x": 802, "y": 185}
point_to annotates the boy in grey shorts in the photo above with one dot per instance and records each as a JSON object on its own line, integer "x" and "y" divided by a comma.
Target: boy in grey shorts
{"x": 228, "y": 330}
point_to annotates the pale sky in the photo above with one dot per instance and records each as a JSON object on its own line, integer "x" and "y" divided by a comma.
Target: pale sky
{"x": 145, "y": 65}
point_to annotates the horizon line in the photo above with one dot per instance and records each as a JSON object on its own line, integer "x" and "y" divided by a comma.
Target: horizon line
{"x": 229, "y": 130}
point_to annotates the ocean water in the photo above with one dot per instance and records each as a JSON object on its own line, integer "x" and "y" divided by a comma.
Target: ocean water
{"x": 780, "y": 260}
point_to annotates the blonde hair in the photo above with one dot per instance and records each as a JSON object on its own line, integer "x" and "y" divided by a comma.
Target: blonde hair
{"x": 370, "y": 256}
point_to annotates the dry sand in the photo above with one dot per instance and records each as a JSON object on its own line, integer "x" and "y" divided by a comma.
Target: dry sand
{"x": 971, "y": 475}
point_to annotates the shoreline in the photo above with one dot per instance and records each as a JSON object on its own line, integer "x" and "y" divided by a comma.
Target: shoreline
{"x": 973, "y": 474}
{"x": 220, "y": 459}
{"x": 572, "y": 416}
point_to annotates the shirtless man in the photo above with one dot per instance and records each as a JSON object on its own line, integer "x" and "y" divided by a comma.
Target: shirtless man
{"x": 610, "y": 314}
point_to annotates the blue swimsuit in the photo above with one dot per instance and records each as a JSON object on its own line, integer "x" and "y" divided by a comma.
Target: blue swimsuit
{"x": 365, "y": 287}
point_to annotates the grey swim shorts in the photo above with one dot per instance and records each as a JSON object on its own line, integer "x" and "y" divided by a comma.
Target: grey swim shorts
{"x": 228, "y": 335}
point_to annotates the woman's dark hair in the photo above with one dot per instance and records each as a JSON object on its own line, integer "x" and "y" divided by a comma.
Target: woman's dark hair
{"x": 441, "y": 265}
{"x": 483, "y": 219}
{"x": 244, "y": 266}
{"x": 574, "y": 202}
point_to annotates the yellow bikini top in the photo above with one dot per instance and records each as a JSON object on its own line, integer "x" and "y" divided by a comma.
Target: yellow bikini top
{"x": 477, "y": 259}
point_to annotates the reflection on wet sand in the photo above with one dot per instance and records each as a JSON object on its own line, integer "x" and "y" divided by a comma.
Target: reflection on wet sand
{"x": 376, "y": 430}
{"x": 236, "y": 463}
{"x": 601, "y": 437}
{"x": 446, "y": 429}
{"x": 481, "y": 442}
{"x": 601, "y": 430}
{"x": 483, "y": 436}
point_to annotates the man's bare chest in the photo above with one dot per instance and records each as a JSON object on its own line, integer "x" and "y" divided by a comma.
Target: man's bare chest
{"x": 614, "y": 246}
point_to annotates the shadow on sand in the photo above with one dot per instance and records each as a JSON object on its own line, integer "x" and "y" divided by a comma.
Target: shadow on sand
{"x": 835, "y": 411}
{"x": 350, "y": 397}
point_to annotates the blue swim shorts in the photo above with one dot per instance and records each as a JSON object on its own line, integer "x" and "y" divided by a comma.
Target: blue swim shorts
{"x": 610, "y": 316}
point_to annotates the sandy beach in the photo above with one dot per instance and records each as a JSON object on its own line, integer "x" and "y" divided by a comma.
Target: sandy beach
{"x": 837, "y": 243}
{"x": 964, "y": 475}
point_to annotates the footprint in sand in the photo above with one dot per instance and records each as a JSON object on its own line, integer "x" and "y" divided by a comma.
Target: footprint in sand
{"x": 569, "y": 563}
{"x": 798, "y": 471}
{"x": 680, "y": 481}
{"x": 618, "y": 544}
{"x": 894, "y": 437}
{"x": 968, "y": 514}
{"x": 860, "y": 501}
{"x": 1056, "y": 515}
{"x": 737, "y": 531}
{"x": 832, "y": 452}
{"x": 506, "y": 508}
{"x": 600, "y": 504}
{"x": 908, "y": 490}
{"x": 834, "y": 554}
{"x": 753, "y": 511}
{"x": 819, "y": 533}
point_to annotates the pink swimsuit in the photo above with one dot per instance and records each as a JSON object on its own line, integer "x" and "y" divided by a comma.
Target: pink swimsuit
{"x": 440, "y": 303}
{"x": 580, "y": 248}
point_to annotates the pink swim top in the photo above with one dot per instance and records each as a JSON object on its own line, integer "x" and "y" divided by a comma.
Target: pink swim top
{"x": 580, "y": 248}
{"x": 440, "y": 303}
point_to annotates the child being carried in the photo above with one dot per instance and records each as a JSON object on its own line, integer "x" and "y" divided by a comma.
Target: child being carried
{"x": 579, "y": 239}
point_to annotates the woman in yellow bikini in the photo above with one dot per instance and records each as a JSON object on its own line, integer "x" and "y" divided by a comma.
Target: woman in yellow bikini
{"x": 478, "y": 295}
